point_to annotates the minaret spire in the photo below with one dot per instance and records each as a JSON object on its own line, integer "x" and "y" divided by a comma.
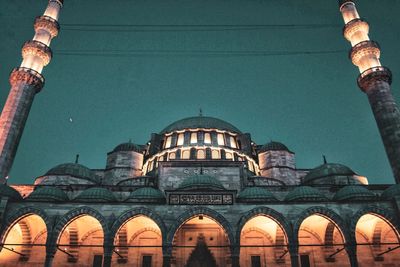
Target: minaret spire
{"x": 374, "y": 80}
{"x": 26, "y": 81}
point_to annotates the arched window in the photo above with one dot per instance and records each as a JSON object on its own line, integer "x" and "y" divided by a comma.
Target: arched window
{"x": 201, "y": 154}
{"x": 180, "y": 139}
{"x": 172, "y": 155}
{"x": 168, "y": 142}
{"x": 233, "y": 142}
{"x": 215, "y": 154}
{"x": 185, "y": 154}
{"x": 228, "y": 155}
{"x": 221, "y": 140}
{"x": 193, "y": 138}
{"x": 207, "y": 138}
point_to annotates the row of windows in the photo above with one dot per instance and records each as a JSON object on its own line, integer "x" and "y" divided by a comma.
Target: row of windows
{"x": 200, "y": 137}
{"x": 199, "y": 154}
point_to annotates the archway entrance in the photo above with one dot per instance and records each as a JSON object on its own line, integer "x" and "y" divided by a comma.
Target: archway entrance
{"x": 80, "y": 243}
{"x": 321, "y": 242}
{"x": 377, "y": 242}
{"x": 200, "y": 241}
{"x": 263, "y": 243}
{"x": 25, "y": 242}
{"x": 138, "y": 242}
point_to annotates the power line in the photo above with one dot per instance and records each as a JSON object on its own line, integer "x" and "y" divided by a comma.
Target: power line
{"x": 190, "y": 53}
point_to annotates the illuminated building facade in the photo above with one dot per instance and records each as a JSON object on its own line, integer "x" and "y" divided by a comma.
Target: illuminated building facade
{"x": 200, "y": 192}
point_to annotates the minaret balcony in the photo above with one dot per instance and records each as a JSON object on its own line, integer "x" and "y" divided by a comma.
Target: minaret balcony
{"x": 38, "y": 49}
{"x": 27, "y": 76}
{"x": 365, "y": 49}
{"x": 372, "y": 75}
{"x": 356, "y": 30}
{"x": 48, "y": 24}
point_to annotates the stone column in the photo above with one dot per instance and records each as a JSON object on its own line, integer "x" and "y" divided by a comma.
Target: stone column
{"x": 167, "y": 255}
{"x": 351, "y": 249}
{"x": 294, "y": 254}
{"x": 50, "y": 253}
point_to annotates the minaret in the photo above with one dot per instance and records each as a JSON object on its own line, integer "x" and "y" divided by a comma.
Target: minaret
{"x": 26, "y": 81}
{"x": 374, "y": 80}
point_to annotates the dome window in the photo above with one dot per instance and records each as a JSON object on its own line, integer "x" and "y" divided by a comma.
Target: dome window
{"x": 201, "y": 154}
{"x": 193, "y": 138}
{"x": 168, "y": 142}
{"x": 207, "y": 138}
{"x": 221, "y": 141}
{"x": 180, "y": 139}
{"x": 233, "y": 143}
{"x": 215, "y": 154}
{"x": 172, "y": 155}
{"x": 185, "y": 154}
{"x": 229, "y": 155}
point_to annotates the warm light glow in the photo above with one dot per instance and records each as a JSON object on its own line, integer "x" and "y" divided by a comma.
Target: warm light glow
{"x": 53, "y": 10}
{"x": 221, "y": 140}
{"x": 186, "y": 154}
{"x": 207, "y": 138}
{"x": 233, "y": 142}
{"x": 193, "y": 138}
{"x": 43, "y": 37}
{"x": 180, "y": 139}
{"x": 201, "y": 154}
{"x": 33, "y": 62}
{"x": 349, "y": 12}
{"x": 168, "y": 142}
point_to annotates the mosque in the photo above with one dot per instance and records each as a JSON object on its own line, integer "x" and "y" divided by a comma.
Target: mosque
{"x": 200, "y": 192}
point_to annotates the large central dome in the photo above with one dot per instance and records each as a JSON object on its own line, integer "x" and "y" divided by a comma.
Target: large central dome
{"x": 200, "y": 122}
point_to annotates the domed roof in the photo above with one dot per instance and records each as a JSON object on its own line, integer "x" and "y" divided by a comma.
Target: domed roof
{"x": 201, "y": 181}
{"x": 128, "y": 147}
{"x": 391, "y": 192}
{"x": 8, "y": 191}
{"x": 328, "y": 170}
{"x": 96, "y": 194}
{"x": 305, "y": 193}
{"x": 48, "y": 193}
{"x": 147, "y": 192}
{"x": 353, "y": 192}
{"x": 273, "y": 146}
{"x": 73, "y": 169}
{"x": 256, "y": 192}
{"x": 200, "y": 122}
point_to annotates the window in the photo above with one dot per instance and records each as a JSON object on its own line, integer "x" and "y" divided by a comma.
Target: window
{"x": 146, "y": 261}
{"x": 186, "y": 154}
{"x": 305, "y": 260}
{"x": 161, "y": 158}
{"x": 221, "y": 141}
{"x": 168, "y": 142}
{"x": 255, "y": 261}
{"x": 233, "y": 142}
{"x": 180, "y": 139}
{"x": 201, "y": 154}
{"x": 215, "y": 154}
{"x": 228, "y": 155}
{"x": 172, "y": 155}
{"x": 193, "y": 138}
{"x": 97, "y": 260}
{"x": 207, "y": 138}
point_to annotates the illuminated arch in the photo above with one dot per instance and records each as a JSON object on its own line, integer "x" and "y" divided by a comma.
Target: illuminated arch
{"x": 193, "y": 212}
{"x": 316, "y": 230}
{"x": 22, "y": 229}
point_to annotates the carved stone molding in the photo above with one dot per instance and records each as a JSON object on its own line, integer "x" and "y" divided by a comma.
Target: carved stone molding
{"x": 27, "y": 76}
{"x": 48, "y": 24}
{"x": 38, "y": 49}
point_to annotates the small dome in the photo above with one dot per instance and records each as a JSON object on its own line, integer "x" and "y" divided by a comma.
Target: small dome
{"x": 201, "y": 181}
{"x": 48, "y": 193}
{"x": 354, "y": 192}
{"x": 273, "y": 146}
{"x": 391, "y": 192}
{"x": 127, "y": 147}
{"x": 96, "y": 194}
{"x": 147, "y": 192}
{"x": 200, "y": 122}
{"x": 8, "y": 191}
{"x": 73, "y": 169}
{"x": 256, "y": 192}
{"x": 305, "y": 193}
{"x": 328, "y": 170}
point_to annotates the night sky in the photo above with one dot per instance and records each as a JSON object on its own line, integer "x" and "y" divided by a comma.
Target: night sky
{"x": 124, "y": 69}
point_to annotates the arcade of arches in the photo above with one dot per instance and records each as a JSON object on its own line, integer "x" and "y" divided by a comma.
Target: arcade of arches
{"x": 201, "y": 241}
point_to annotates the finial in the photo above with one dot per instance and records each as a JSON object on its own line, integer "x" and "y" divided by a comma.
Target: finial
{"x": 200, "y": 112}
{"x": 325, "y": 162}
{"x": 77, "y": 159}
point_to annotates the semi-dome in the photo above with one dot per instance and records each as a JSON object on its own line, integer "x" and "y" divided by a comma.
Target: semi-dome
{"x": 353, "y": 192}
{"x": 305, "y": 193}
{"x": 8, "y": 191}
{"x": 201, "y": 181}
{"x": 48, "y": 193}
{"x": 256, "y": 192}
{"x": 391, "y": 192}
{"x": 273, "y": 146}
{"x": 74, "y": 170}
{"x": 146, "y": 193}
{"x": 129, "y": 146}
{"x": 96, "y": 194}
{"x": 200, "y": 122}
{"x": 329, "y": 170}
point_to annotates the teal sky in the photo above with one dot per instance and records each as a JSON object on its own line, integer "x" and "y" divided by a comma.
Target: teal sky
{"x": 138, "y": 79}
